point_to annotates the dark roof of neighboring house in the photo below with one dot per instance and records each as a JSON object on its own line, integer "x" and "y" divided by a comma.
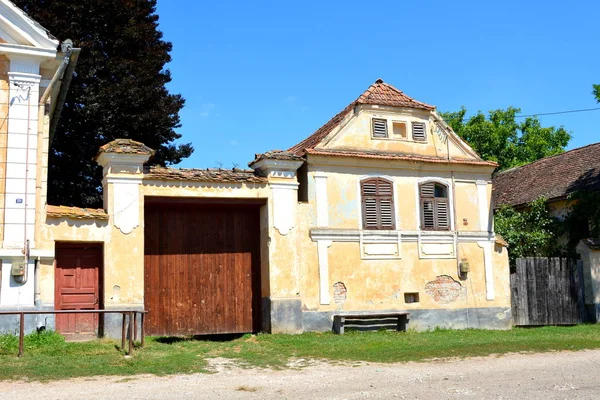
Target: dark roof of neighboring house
{"x": 552, "y": 177}
{"x": 386, "y": 155}
{"x": 75, "y": 212}
{"x": 379, "y": 93}
{"x": 235, "y": 175}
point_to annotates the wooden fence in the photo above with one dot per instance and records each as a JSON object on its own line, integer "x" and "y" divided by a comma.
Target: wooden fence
{"x": 547, "y": 291}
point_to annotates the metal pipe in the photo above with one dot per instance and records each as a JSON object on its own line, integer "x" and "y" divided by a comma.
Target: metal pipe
{"x": 130, "y": 333}
{"x": 142, "y": 328}
{"x": 21, "y": 333}
{"x": 135, "y": 327}
{"x": 123, "y": 333}
{"x": 57, "y": 75}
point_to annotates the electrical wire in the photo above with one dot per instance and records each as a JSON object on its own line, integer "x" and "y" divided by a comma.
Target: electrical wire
{"x": 557, "y": 112}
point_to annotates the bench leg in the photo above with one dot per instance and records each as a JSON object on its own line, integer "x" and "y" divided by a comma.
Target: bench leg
{"x": 338, "y": 325}
{"x": 402, "y": 321}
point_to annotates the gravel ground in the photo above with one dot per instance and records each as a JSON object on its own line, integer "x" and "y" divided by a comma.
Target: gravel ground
{"x": 564, "y": 375}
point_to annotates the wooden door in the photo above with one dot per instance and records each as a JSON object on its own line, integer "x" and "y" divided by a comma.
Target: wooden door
{"x": 77, "y": 287}
{"x": 201, "y": 269}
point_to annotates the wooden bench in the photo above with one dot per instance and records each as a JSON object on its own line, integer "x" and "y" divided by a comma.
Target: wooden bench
{"x": 340, "y": 319}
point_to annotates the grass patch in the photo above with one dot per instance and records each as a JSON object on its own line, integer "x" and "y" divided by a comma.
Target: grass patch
{"x": 49, "y": 357}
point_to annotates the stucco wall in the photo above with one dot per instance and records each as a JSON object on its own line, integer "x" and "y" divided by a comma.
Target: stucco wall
{"x": 381, "y": 284}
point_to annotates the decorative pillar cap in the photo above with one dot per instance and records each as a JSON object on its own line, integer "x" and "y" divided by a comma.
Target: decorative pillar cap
{"x": 124, "y": 150}
{"x": 276, "y": 160}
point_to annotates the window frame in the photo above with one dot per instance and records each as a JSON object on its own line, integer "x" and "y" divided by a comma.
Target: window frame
{"x": 436, "y": 201}
{"x": 412, "y": 131}
{"x": 387, "y": 130}
{"x": 378, "y": 197}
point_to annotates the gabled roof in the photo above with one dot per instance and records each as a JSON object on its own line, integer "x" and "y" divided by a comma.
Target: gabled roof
{"x": 553, "y": 177}
{"x": 379, "y": 93}
{"x": 20, "y": 29}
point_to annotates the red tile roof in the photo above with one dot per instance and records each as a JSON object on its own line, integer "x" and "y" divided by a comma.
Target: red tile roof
{"x": 384, "y": 155}
{"x": 552, "y": 177}
{"x": 379, "y": 93}
{"x": 235, "y": 175}
{"x": 75, "y": 212}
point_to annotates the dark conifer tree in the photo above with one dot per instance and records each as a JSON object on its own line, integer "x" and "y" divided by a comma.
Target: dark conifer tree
{"x": 118, "y": 90}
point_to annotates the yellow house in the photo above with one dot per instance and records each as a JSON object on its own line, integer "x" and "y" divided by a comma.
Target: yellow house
{"x": 382, "y": 210}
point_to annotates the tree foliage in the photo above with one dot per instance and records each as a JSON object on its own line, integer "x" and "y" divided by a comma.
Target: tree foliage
{"x": 501, "y": 138}
{"x": 583, "y": 217}
{"x": 596, "y": 92}
{"x": 118, "y": 90}
{"x": 530, "y": 232}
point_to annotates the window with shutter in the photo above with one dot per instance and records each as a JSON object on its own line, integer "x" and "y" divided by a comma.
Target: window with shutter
{"x": 418, "y": 131}
{"x": 379, "y": 128}
{"x": 434, "y": 206}
{"x": 378, "y": 204}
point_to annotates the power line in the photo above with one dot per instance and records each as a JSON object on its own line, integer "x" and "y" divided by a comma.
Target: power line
{"x": 558, "y": 112}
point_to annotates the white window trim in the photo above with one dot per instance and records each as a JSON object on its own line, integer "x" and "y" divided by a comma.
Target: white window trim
{"x": 444, "y": 182}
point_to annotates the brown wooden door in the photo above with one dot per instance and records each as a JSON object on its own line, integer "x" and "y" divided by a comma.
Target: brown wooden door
{"x": 77, "y": 287}
{"x": 201, "y": 269}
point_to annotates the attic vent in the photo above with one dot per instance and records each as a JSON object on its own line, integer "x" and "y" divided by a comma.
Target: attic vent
{"x": 379, "y": 128}
{"x": 418, "y": 131}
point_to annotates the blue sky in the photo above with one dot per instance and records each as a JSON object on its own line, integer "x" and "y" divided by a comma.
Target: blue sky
{"x": 259, "y": 76}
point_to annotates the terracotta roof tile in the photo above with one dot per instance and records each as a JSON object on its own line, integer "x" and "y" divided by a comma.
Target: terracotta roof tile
{"x": 379, "y": 93}
{"x": 552, "y": 177}
{"x": 75, "y": 212}
{"x": 276, "y": 155}
{"x": 383, "y": 155}
{"x": 126, "y": 146}
{"x": 384, "y": 94}
{"x": 235, "y": 175}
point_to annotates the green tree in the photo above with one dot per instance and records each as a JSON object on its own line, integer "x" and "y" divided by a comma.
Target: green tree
{"x": 118, "y": 90}
{"x": 596, "y": 92}
{"x": 531, "y": 232}
{"x": 501, "y": 138}
{"x": 583, "y": 218}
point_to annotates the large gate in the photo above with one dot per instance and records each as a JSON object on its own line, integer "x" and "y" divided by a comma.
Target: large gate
{"x": 547, "y": 291}
{"x": 201, "y": 270}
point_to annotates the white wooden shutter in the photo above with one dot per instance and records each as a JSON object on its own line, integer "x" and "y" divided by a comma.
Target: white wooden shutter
{"x": 418, "y": 131}
{"x": 380, "y": 128}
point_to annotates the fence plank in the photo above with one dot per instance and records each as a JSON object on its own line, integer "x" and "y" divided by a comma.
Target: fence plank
{"x": 547, "y": 291}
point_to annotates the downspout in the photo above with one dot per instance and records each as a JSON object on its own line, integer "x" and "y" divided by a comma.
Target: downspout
{"x": 64, "y": 89}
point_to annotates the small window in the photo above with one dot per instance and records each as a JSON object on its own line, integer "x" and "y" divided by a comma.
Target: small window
{"x": 399, "y": 130}
{"x": 418, "y": 131}
{"x": 411, "y": 297}
{"x": 434, "y": 206}
{"x": 380, "y": 128}
{"x": 377, "y": 204}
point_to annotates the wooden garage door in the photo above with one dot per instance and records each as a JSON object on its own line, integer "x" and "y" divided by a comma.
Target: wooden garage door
{"x": 201, "y": 268}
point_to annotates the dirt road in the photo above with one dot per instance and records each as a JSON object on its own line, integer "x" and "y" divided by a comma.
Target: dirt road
{"x": 565, "y": 375}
